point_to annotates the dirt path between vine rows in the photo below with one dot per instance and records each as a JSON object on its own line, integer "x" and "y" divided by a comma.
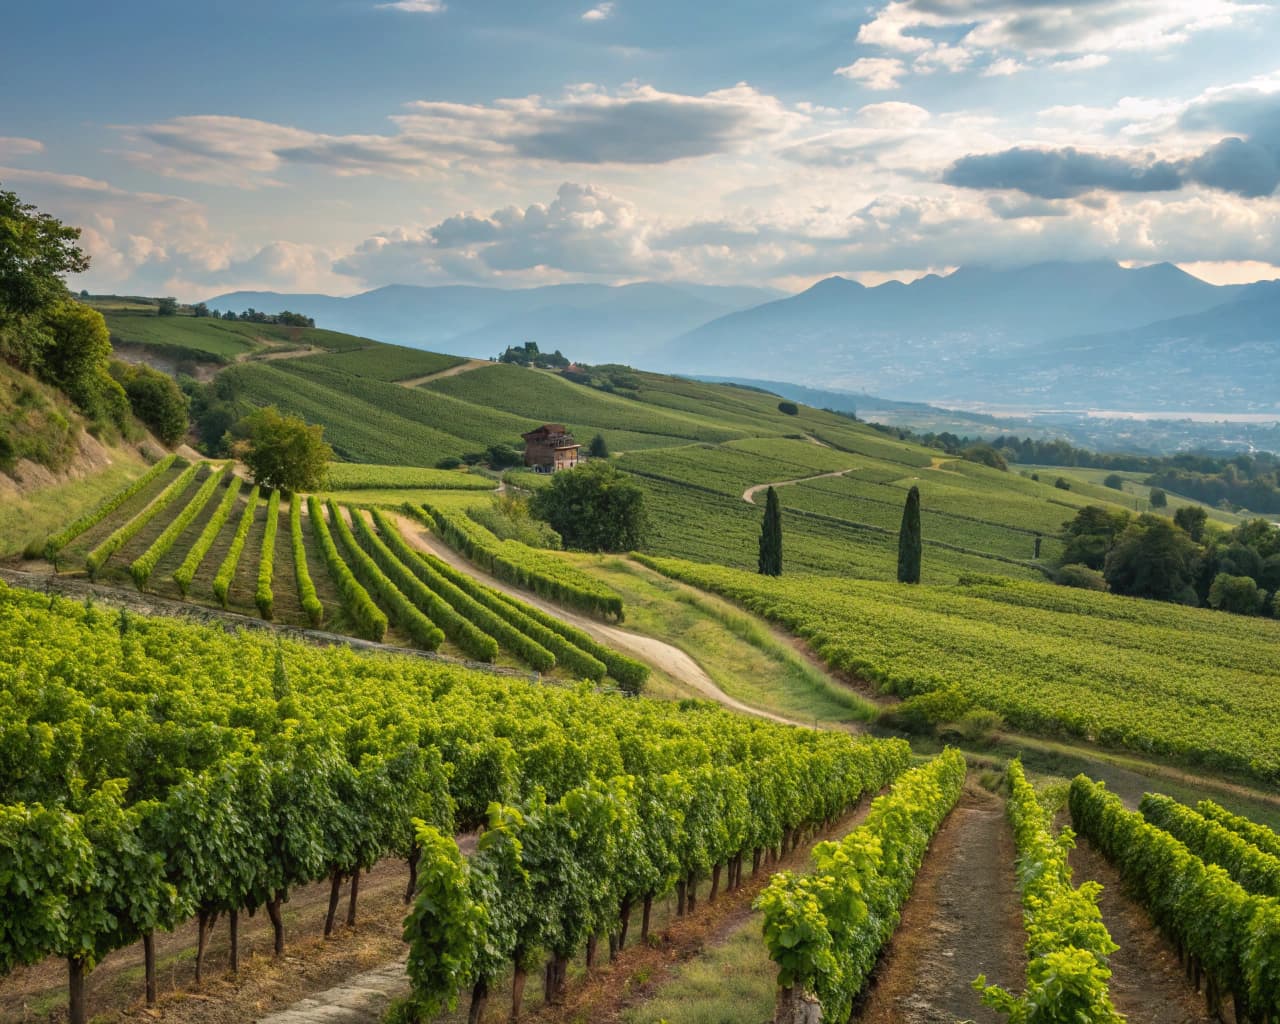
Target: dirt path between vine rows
{"x": 452, "y": 371}
{"x": 1148, "y": 984}
{"x": 749, "y": 495}
{"x": 657, "y": 653}
{"x": 963, "y": 919}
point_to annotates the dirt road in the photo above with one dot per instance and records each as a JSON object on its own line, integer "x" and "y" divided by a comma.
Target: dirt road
{"x": 749, "y": 495}
{"x": 662, "y": 656}
{"x": 963, "y": 919}
{"x": 453, "y": 371}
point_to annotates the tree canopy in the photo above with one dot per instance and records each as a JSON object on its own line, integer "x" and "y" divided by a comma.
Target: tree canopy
{"x": 284, "y": 451}
{"x": 594, "y": 508}
{"x": 770, "y": 562}
{"x": 910, "y": 542}
{"x": 155, "y": 399}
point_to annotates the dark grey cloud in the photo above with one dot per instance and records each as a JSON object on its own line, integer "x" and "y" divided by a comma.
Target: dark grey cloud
{"x": 1235, "y": 165}
{"x": 1062, "y": 173}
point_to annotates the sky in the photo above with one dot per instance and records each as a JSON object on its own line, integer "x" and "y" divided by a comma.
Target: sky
{"x": 340, "y": 145}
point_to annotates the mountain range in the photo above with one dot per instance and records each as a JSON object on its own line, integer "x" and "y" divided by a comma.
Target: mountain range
{"x": 1058, "y": 335}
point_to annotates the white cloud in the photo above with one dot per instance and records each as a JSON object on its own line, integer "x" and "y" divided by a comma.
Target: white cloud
{"x": 1069, "y": 35}
{"x": 1003, "y": 67}
{"x": 878, "y": 73}
{"x": 601, "y": 12}
{"x": 11, "y": 146}
{"x": 414, "y": 6}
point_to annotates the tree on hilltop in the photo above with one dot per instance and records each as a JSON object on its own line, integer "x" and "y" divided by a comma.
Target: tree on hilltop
{"x": 770, "y": 562}
{"x": 284, "y": 452}
{"x": 910, "y": 543}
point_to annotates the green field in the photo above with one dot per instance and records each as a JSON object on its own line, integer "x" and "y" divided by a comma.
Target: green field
{"x": 387, "y": 362}
{"x": 1186, "y": 684}
{"x": 354, "y": 476}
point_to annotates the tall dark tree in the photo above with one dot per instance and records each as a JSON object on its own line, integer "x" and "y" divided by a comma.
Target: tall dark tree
{"x": 909, "y": 540}
{"x": 771, "y": 536}
{"x": 599, "y": 447}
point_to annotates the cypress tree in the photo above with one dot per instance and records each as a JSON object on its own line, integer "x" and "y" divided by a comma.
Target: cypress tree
{"x": 909, "y": 542}
{"x": 771, "y": 536}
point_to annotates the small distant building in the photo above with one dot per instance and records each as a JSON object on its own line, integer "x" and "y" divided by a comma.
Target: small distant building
{"x": 550, "y": 448}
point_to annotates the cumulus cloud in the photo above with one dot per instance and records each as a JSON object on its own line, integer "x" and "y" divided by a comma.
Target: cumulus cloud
{"x": 601, "y": 12}
{"x": 1062, "y": 173}
{"x": 879, "y": 73}
{"x": 1010, "y": 35}
{"x": 587, "y": 125}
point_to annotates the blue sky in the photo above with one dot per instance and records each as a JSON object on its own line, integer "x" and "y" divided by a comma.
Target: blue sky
{"x": 337, "y": 145}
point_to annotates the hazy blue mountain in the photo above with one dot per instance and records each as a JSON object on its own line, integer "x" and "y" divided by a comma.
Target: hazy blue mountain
{"x": 955, "y": 338}
{"x": 591, "y": 322}
{"x": 1225, "y": 358}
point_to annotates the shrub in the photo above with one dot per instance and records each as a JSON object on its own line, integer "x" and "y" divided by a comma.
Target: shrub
{"x": 1115, "y": 481}
{"x": 1237, "y": 594}
{"x": 186, "y": 572}
{"x": 1062, "y": 483}
{"x": 306, "y": 588}
{"x": 1081, "y": 577}
{"x": 64, "y": 537}
{"x": 263, "y": 597}
{"x": 99, "y": 555}
{"x": 144, "y": 565}
{"x": 788, "y": 408}
{"x": 227, "y": 570}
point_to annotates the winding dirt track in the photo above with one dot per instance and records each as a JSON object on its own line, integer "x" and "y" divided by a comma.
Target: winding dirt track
{"x": 452, "y": 371}
{"x": 662, "y": 656}
{"x": 749, "y": 495}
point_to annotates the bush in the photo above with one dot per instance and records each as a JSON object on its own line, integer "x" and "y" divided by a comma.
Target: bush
{"x": 594, "y": 508}
{"x": 449, "y": 462}
{"x": 1081, "y": 577}
{"x": 1236, "y": 594}
{"x": 1115, "y": 481}
{"x": 227, "y": 570}
{"x": 186, "y": 572}
{"x": 155, "y": 399}
{"x": 508, "y": 518}
{"x": 1062, "y": 483}
{"x": 263, "y": 597}
{"x": 788, "y": 408}
{"x": 1158, "y": 498}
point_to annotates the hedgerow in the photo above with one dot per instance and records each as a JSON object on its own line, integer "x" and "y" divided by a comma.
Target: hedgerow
{"x": 263, "y": 597}
{"x": 186, "y": 572}
{"x": 144, "y": 565}
{"x": 369, "y": 619}
{"x": 227, "y": 570}
{"x": 306, "y": 587}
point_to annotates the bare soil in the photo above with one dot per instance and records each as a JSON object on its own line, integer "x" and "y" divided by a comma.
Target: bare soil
{"x": 1148, "y": 984}
{"x": 963, "y": 919}
{"x": 452, "y": 371}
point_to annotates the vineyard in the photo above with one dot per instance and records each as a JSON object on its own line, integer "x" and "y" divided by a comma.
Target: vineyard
{"x": 182, "y": 770}
{"x": 1154, "y": 678}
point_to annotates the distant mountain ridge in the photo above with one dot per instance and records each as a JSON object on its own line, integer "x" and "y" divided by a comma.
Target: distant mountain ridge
{"x": 599, "y": 323}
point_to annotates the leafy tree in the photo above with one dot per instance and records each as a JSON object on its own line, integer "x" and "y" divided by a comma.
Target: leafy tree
{"x": 770, "y": 561}
{"x": 1192, "y": 518}
{"x": 35, "y": 251}
{"x": 985, "y": 455}
{"x": 1237, "y": 594}
{"x": 200, "y": 309}
{"x": 788, "y": 408}
{"x": 168, "y": 306}
{"x": 910, "y": 543}
{"x": 1062, "y": 483}
{"x": 78, "y": 360}
{"x": 285, "y": 452}
{"x": 1091, "y": 535}
{"x": 1115, "y": 481}
{"x": 503, "y": 456}
{"x": 1154, "y": 559}
{"x": 155, "y": 399}
{"x": 1260, "y": 535}
{"x": 598, "y": 449}
{"x": 594, "y": 508}
{"x": 1158, "y": 498}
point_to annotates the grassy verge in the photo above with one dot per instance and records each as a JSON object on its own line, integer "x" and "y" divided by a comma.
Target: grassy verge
{"x": 29, "y": 518}
{"x": 741, "y": 654}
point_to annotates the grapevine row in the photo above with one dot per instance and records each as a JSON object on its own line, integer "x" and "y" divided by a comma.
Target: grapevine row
{"x": 1214, "y": 843}
{"x": 227, "y": 570}
{"x": 1259, "y": 835}
{"x": 144, "y": 565}
{"x": 306, "y": 588}
{"x": 263, "y": 597}
{"x": 1067, "y": 942}
{"x": 1222, "y": 931}
{"x": 499, "y": 629}
{"x": 369, "y": 619}
{"x": 406, "y": 614}
{"x": 99, "y": 555}
{"x": 825, "y": 930}
{"x": 90, "y": 519}
{"x": 550, "y": 876}
{"x": 517, "y": 563}
{"x": 186, "y": 572}
{"x": 573, "y": 642}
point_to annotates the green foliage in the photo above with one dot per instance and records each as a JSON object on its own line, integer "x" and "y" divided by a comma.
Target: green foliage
{"x": 144, "y": 565}
{"x": 598, "y": 448}
{"x": 1185, "y": 684}
{"x": 1192, "y": 518}
{"x": 186, "y": 572}
{"x": 78, "y": 360}
{"x": 825, "y": 930}
{"x": 1237, "y": 594}
{"x": 1213, "y": 842}
{"x": 1152, "y": 558}
{"x": 306, "y": 588}
{"x": 351, "y": 476}
{"x": 508, "y": 518}
{"x": 98, "y": 556}
{"x": 910, "y": 545}
{"x": 1080, "y": 576}
{"x": 90, "y": 519}
{"x": 155, "y": 399}
{"x": 770, "y": 560}
{"x": 369, "y": 619}
{"x": 227, "y": 570}
{"x": 985, "y": 455}
{"x": 1232, "y": 934}
{"x": 262, "y": 596}
{"x": 1158, "y": 498}
{"x": 594, "y": 508}
{"x": 1259, "y": 836}
{"x": 1116, "y": 482}
{"x": 1067, "y": 942}
{"x": 284, "y": 453}
{"x": 545, "y": 574}
{"x": 788, "y": 408}
{"x": 387, "y": 362}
